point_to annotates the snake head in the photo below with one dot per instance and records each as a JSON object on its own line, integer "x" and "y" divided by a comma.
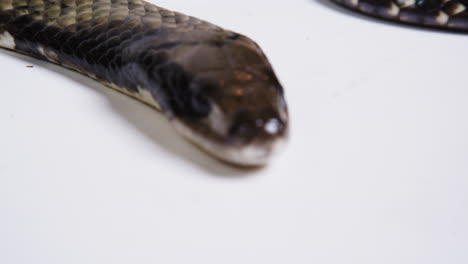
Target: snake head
{"x": 224, "y": 96}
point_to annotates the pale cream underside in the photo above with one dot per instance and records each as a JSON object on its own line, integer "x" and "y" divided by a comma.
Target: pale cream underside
{"x": 250, "y": 155}
{"x": 7, "y": 41}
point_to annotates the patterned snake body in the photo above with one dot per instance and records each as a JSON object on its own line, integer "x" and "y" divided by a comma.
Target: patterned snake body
{"x": 444, "y": 14}
{"x": 216, "y": 86}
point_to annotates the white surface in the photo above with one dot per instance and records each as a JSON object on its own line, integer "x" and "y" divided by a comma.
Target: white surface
{"x": 375, "y": 172}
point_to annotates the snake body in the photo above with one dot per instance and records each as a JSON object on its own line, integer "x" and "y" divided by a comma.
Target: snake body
{"x": 215, "y": 86}
{"x": 443, "y": 14}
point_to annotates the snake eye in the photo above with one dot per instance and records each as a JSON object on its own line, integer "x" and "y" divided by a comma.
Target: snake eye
{"x": 200, "y": 105}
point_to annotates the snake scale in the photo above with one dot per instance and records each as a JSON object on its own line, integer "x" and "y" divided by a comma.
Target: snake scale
{"x": 215, "y": 86}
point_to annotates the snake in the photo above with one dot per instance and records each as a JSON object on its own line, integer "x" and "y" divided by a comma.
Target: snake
{"x": 215, "y": 86}
{"x": 451, "y": 15}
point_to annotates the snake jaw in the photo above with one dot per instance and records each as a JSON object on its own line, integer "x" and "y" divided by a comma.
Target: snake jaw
{"x": 247, "y": 139}
{"x": 243, "y": 136}
{"x": 253, "y": 154}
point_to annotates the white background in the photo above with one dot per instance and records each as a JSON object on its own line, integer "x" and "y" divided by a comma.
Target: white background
{"x": 376, "y": 170}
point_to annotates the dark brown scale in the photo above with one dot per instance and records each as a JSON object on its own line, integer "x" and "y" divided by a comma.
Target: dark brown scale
{"x": 424, "y": 6}
{"x": 371, "y": 6}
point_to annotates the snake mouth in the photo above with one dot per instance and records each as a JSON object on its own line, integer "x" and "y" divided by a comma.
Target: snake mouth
{"x": 246, "y": 137}
{"x": 255, "y": 152}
